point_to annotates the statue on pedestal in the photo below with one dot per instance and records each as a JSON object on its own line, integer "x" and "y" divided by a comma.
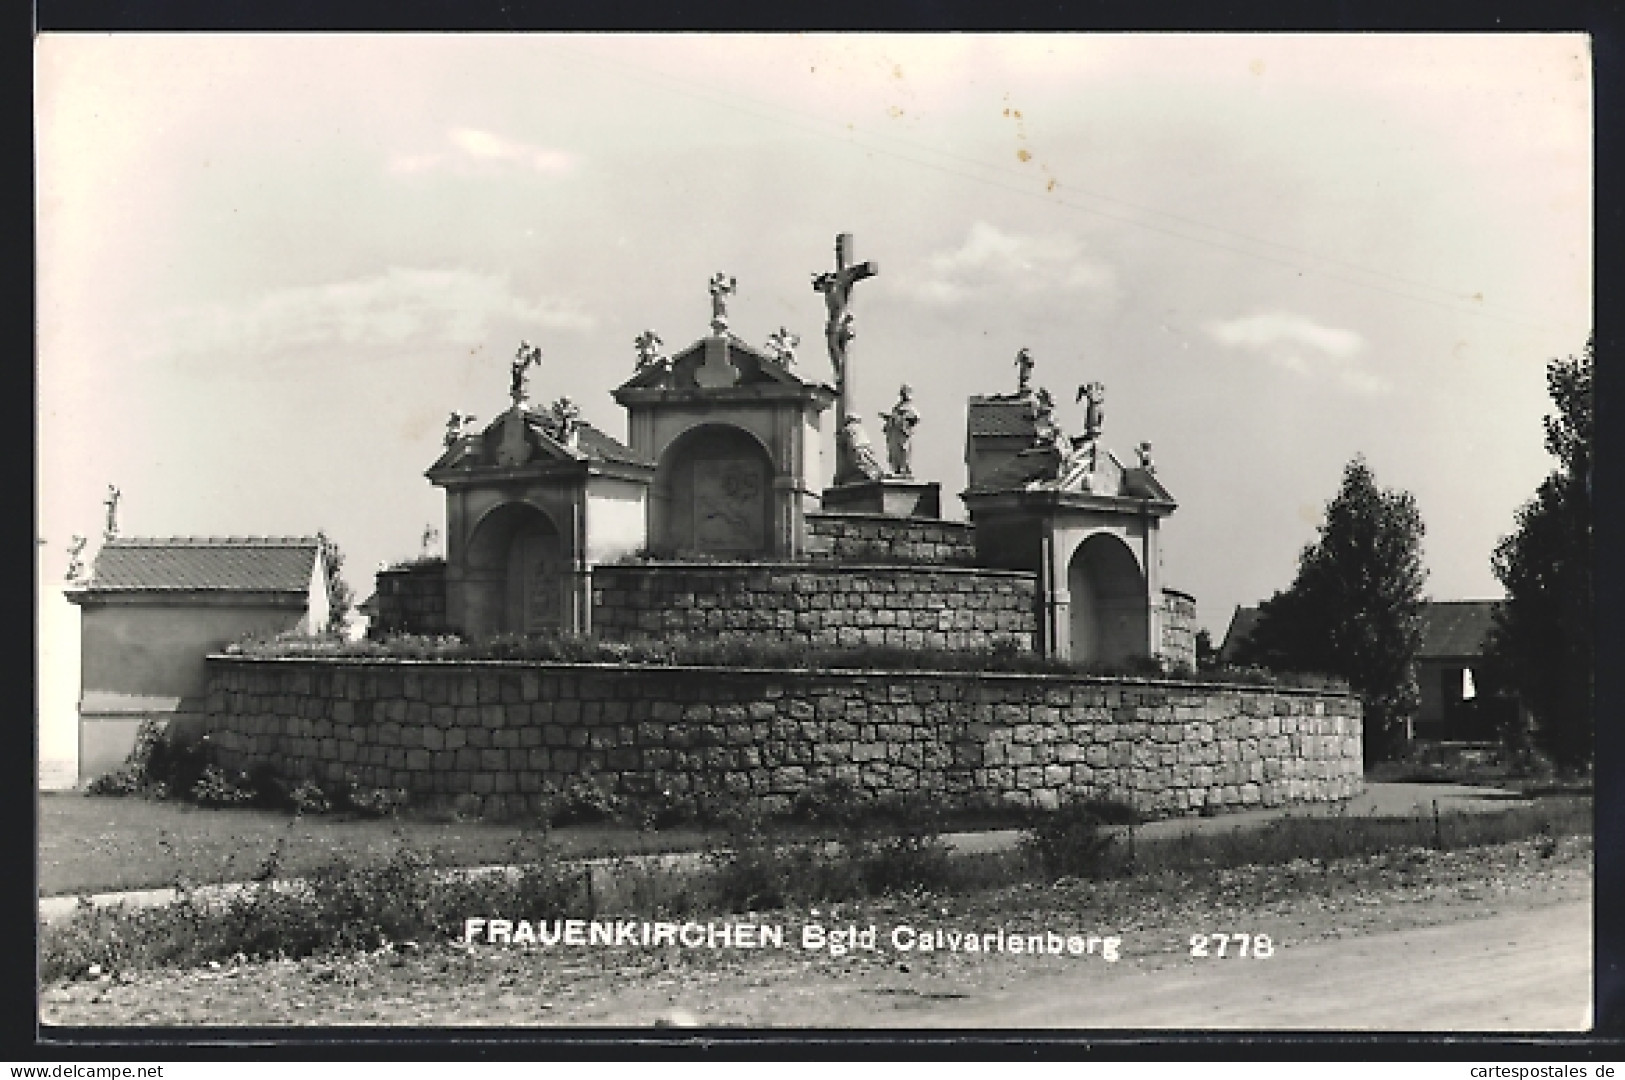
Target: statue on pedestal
{"x": 722, "y": 286}
{"x": 1144, "y": 453}
{"x": 900, "y": 425}
{"x": 527, "y": 357}
{"x": 1094, "y": 414}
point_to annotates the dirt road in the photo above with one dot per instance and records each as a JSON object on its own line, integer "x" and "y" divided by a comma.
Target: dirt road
{"x": 1523, "y": 971}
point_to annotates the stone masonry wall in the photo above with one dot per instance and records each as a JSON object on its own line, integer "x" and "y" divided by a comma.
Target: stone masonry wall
{"x": 1179, "y": 629}
{"x": 490, "y": 734}
{"x": 410, "y": 599}
{"x": 880, "y": 538}
{"x": 904, "y": 606}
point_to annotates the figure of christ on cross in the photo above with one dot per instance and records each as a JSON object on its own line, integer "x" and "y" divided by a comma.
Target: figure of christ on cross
{"x": 836, "y": 285}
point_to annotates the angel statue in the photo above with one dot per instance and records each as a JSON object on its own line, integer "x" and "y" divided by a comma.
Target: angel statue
{"x": 528, "y": 356}
{"x": 859, "y": 452}
{"x": 565, "y": 420}
{"x": 456, "y": 425}
{"x": 649, "y": 355}
{"x": 781, "y": 345}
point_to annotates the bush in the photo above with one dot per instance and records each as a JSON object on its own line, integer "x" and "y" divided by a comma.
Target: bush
{"x": 581, "y": 802}
{"x": 1077, "y": 840}
{"x": 217, "y": 788}
{"x": 309, "y": 798}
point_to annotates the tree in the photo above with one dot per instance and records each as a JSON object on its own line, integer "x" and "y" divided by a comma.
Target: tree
{"x": 340, "y": 597}
{"x": 1354, "y": 610}
{"x": 1542, "y": 645}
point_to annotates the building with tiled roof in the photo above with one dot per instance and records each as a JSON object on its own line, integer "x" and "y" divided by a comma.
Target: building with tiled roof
{"x": 1449, "y": 663}
{"x": 153, "y": 608}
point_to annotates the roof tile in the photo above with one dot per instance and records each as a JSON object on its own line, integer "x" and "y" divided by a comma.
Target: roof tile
{"x": 229, "y": 564}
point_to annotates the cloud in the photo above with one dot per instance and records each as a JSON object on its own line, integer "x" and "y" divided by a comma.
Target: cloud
{"x": 473, "y": 151}
{"x": 1298, "y": 344}
{"x": 399, "y": 306}
{"x": 1006, "y": 264}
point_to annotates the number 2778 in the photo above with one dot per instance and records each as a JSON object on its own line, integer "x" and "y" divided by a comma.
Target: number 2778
{"x": 1258, "y": 946}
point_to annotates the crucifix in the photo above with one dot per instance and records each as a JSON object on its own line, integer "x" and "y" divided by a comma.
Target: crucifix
{"x": 836, "y": 285}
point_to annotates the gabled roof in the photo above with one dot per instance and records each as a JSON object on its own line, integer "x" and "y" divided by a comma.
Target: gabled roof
{"x": 754, "y": 366}
{"x": 1455, "y": 628}
{"x": 1451, "y": 629}
{"x": 592, "y": 444}
{"x": 257, "y": 564}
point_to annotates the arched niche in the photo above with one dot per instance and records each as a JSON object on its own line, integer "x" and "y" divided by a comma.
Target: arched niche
{"x": 713, "y": 494}
{"x": 1110, "y": 610}
{"x": 516, "y": 573}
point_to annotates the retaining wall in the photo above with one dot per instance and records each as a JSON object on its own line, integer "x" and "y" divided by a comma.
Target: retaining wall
{"x": 490, "y": 734}
{"x": 912, "y": 607}
{"x": 882, "y": 538}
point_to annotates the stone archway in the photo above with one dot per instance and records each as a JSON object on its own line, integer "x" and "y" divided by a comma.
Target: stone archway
{"x": 713, "y": 494}
{"x": 516, "y": 573}
{"x": 1110, "y": 609}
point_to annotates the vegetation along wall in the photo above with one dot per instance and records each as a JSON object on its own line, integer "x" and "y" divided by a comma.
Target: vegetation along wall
{"x": 495, "y": 732}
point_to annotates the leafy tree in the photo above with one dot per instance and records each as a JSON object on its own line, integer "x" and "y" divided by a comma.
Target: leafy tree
{"x": 1542, "y": 642}
{"x": 1354, "y": 610}
{"x": 340, "y": 597}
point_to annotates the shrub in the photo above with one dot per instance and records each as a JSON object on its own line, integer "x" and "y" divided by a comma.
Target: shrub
{"x": 582, "y": 801}
{"x": 217, "y": 788}
{"x": 309, "y": 798}
{"x": 1077, "y": 840}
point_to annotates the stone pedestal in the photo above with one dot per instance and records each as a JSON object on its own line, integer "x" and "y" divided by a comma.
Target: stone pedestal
{"x": 893, "y": 496}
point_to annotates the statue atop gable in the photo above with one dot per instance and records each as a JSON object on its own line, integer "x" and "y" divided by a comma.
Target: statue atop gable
{"x": 76, "y": 567}
{"x": 649, "y": 355}
{"x": 1094, "y": 414}
{"x": 1024, "y": 373}
{"x": 526, "y": 357}
{"x": 722, "y": 286}
{"x": 781, "y": 345}
{"x": 563, "y": 421}
{"x": 900, "y": 425}
{"x": 456, "y": 426}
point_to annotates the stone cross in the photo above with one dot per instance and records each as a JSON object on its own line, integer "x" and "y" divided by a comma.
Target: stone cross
{"x": 528, "y": 356}
{"x": 75, "y": 568}
{"x": 836, "y": 285}
{"x": 781, "y": 344}
{"x": 722, "y": 287}
{"x": 111, "y": 502}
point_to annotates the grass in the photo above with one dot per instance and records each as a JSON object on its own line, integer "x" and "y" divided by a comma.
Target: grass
{"x": 89, "y": 844}
{"x": 351, "y": 902}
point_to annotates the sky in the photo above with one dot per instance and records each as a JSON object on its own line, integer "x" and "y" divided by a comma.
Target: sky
{"x": 270, "y": 265}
